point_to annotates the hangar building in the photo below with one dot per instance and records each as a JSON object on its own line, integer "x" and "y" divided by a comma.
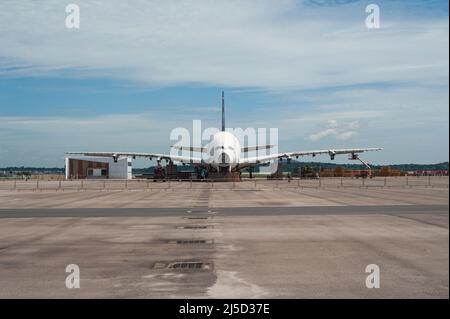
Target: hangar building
{"x": 98, "y": 168}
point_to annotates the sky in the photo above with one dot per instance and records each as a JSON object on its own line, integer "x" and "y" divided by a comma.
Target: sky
{"x": 137, "y": 69}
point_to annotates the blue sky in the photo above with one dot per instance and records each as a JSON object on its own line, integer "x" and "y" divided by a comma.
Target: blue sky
{"x": 135, "y": 70}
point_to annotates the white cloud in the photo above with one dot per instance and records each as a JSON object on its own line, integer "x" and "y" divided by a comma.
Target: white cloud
{"x": 354, "y": 125}
{"x": 345, "y": 135}
{"x": 334, "y": 129}
{"x": 386, "y": 87}
{"x": 267, "y": 44}
{"x": 332, "y": 123}
{"x": 322, "y": 134}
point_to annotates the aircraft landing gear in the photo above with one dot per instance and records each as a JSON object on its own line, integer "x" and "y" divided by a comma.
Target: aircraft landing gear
{"x": 356, "y": 157}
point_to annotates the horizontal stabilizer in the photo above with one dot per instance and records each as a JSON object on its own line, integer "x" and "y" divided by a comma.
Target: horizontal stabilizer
{"x": 190, "y": 148}
{"x": 256, "y": 148}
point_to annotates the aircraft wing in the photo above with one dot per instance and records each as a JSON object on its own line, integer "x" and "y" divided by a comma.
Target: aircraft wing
{"x": 251, "y": 161}
{"x": 116, "y": 155}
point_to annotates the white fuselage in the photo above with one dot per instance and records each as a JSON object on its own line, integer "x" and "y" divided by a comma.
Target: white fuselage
{"x": 223, "y": 151}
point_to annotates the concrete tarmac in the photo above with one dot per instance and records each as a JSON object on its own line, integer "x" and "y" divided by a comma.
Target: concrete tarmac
{"x": 213, "y": 198}
{"x": 244, "y": 252}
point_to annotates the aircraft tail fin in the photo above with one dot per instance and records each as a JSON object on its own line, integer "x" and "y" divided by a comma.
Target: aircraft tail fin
{"x": 223, "y": 112}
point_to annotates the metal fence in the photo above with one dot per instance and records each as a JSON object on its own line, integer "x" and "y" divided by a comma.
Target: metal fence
{"x": 246, "y": 184}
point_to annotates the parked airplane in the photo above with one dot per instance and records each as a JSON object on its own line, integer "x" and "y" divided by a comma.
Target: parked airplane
{"x": 223, "y": 153}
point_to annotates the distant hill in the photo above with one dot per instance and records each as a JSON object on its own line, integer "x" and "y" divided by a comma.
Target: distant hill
{"x": 293, "y": 165}
{"x": 32, "y": 170}
{"x": 401, "y": 167}
{"x": 287, "y": 167}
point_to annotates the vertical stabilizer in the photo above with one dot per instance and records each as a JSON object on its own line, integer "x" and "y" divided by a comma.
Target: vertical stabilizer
{"x": 223, "y": 112}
